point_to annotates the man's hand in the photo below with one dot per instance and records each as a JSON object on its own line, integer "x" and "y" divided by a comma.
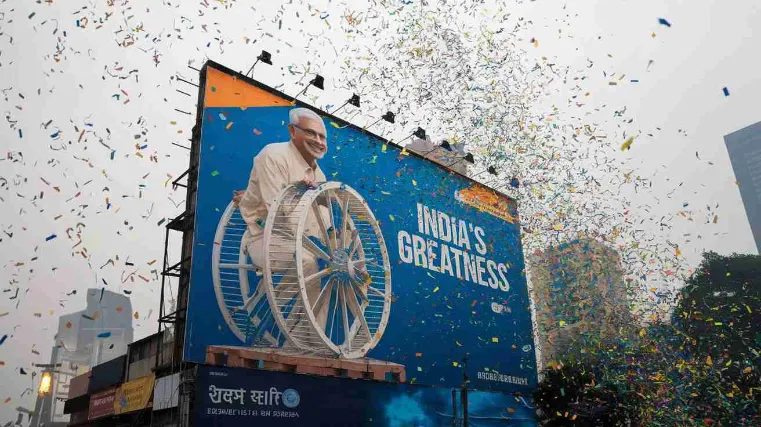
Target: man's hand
{"x": 309, "y": 182}
{"x": 237, "y": 195}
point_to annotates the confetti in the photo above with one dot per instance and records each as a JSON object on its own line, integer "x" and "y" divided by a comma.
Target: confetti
{"x": 628, "y": 143}
{"x": 573, "y": 179}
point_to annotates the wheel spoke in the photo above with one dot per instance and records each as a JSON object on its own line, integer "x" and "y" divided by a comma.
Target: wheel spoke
{"x": 249, "y": 267}
{"x": 355, "y": 243}
{"x": 256, "y": 314}
{"x": 335, "y": 313}
{"x": 376, "y": 291}
{"x": 253, "y": 300}
{"x": 344, "y": 221}
{"x": 323, "y": 298}
{"x": 314, "y": 249}
{"x": 357, "y": 311}
{"x": 345, "y": 311}
{"x": 357, "y": 286}
{"x": 321, "y": 225}
{"x": 331, "y": 215}
{"x": 319, "y": 275}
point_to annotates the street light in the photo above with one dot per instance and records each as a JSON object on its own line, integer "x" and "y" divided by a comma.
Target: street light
{"x": 45, "y": 383}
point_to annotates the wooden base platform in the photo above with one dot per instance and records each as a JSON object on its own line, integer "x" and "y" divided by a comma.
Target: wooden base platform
{"x": 278, "y": 359}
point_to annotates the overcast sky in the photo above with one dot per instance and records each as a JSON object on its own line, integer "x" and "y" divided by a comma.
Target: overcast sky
{"x": 82, "y": 76}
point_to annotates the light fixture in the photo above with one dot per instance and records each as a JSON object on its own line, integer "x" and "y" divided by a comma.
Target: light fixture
{"x": 354, "y": 100}
{"x": 467, "y": 157}
{"x": 45, "y": 382}
{"x": 419, "y": 133}
{"x": 444, "y": 144}
{"x": 265, "y": 57}
{"x": 318, "y": 81}
{"x": 491, "y": 169}
{"x": 389, "y": 117}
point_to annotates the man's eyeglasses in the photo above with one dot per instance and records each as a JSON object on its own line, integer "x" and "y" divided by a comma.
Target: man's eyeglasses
{"x": 310, "y": 133}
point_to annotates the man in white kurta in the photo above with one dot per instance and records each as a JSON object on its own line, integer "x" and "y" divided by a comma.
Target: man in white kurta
{"x": 277, "y": 166}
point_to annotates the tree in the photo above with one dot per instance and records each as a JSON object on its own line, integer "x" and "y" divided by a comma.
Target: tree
{"x": 720, "y": 307}
{"x": 700, "y": 370}
{"x": 719, "y": 312}
{"x": 569, "y": 395}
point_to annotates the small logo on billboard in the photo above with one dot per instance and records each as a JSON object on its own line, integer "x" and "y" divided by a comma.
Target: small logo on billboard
{"x": 291, "y": 398}
{"x": 487, "y": 201}
{"x": 500, "y": 308}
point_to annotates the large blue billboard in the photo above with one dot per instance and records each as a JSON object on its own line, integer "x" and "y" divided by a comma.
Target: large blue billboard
{"x": 234, "y": 397}
{"x": 314, "y": 236}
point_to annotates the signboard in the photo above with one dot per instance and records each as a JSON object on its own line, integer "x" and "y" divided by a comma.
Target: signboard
{"x": 166, "y": 393}
{"x": 101, "y": 404}
{"x": 78, "y": 385}
{"x": 235, "y": 397}
{"x": 134, "y": 395}
{"x": 344, "y": 244}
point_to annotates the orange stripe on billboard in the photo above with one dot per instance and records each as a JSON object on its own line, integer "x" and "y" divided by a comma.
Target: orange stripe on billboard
{"x": 224, "y": 90}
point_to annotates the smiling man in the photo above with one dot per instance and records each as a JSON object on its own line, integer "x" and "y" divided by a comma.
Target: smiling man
{"x": 277, "y": 166}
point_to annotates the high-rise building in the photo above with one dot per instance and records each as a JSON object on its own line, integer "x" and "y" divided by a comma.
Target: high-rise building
{"x": 577, "y": 288}
{"x": 744, "y": 147}
{"x": 86, "y": 338}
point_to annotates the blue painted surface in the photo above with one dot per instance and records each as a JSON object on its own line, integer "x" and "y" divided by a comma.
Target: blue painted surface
{"x": 436, "y": 318}
{"x": 296, "y": 400}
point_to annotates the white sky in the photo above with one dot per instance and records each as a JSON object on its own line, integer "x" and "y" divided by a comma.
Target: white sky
{"x": 710, "y": 45}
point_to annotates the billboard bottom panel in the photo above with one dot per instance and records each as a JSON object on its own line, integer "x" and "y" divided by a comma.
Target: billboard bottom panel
{"x": 235, "y": 397}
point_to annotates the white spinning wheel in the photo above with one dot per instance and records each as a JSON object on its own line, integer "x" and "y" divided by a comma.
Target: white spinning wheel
{"x": 244, "y": 310}
{"x": 326, "y": 275}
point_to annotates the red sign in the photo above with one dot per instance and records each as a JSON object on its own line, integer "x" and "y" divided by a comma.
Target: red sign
{"x": 101, "y": 404}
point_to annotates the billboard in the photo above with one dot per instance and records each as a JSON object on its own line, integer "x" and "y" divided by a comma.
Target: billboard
{"x": 234, "y": 397}
{"x": 316, "y": 237}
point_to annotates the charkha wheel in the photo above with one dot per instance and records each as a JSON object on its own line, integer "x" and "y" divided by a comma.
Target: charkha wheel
{"x": 326, "y": 273}
{"x": 245, "y": 310}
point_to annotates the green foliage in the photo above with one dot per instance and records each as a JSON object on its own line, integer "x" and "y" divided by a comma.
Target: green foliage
{"x": 570, "y": 396}
{"x": 702, "y": 370}
{"x": 720, "y": 307}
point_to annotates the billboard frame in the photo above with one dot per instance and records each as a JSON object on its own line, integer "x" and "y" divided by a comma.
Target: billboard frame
{"x": 185, "y": 222}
